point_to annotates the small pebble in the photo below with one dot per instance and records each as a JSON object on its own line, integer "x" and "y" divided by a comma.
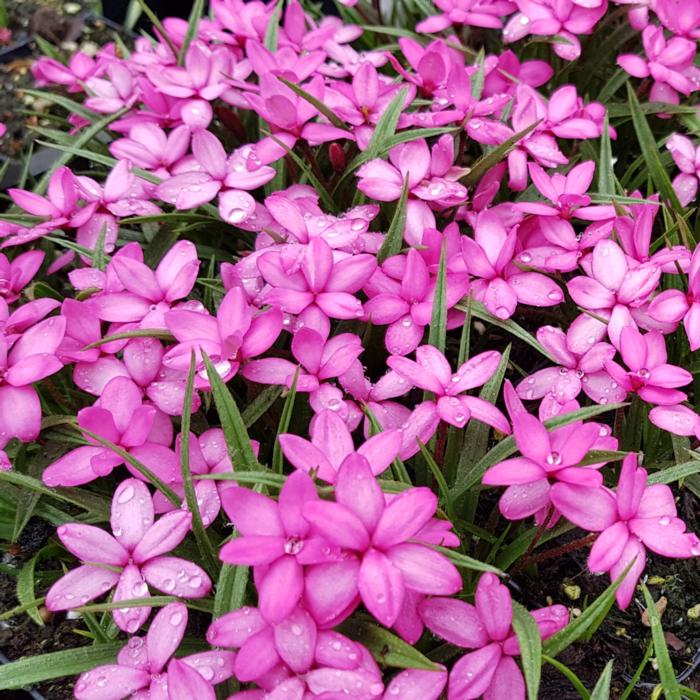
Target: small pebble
{"x": 694, "y": 612}
{"x": 72, "y": 8}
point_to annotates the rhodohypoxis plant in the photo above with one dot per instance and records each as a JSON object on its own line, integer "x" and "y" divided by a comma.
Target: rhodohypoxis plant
{"x": 265, "y": 317}
{"x": 130, "y": 559}
{"x": 635, "y": 516}
{"x": 489, "y": 671}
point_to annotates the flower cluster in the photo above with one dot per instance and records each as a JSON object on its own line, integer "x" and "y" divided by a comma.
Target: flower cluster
{"x": 291, "y": 210}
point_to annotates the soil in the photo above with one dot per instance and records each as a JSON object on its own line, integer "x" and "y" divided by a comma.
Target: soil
{"x": 21, "y": 636}
{"x": 49, "y": 19}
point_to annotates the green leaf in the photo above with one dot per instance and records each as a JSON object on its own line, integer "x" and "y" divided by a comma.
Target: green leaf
{"x": 477, "y": 434}
{"x": 478, "y": 310}
{"x": 139, "y": 333}
{"x": 230, "y": 589}
{"x": 206, "y": 548}
{"x": 192, "y": 28}
{"x": 606, "y": 173}
{"x": 326, "y": 111}
{"x": 667, "y": 675}
{"x": 26, "y": 593}
{"x": 386, "y": 648}
{"x": 393, "y": 241}
{"x": 235, "y": 432}
{"x": 285, "y": 418}
{"x": 462, "y": 561}
{"x": 632, "y": 685}
{"x": 386, "y": 126}
{"x": 83, "y": 139}
{"x": 157, "y": 601}
{"x": 266, "y": 478}
{"x": 494, "y": 157}
{"x": 272, "y": 30}
{"x": 602, "y": 687}
{"x": 157, "y": 25}
{"x": 439, "y": 477}
{"x": 587, "y": 622}
{"x": 260, "y": 404}
{"x": 680, "y": 471}
{"x": 647, "y": 144}
{"x": 568, "y": 673}
{"x": 530, "y": 648}
{"x": 69, "y": 662}
{"x": 71, "y": 106}
{"x": 437, "y": 335}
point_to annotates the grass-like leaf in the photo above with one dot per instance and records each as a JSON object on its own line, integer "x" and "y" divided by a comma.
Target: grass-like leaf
{"x": 393, "y": 241}
{"x": 602, "y": 687}
{"x": 437, "y": 334}
{"x": 530, "y": 648}
{"x": 232, "y": 424}
{"x": 667, "y": 675}
{"x": 192, "y": 29}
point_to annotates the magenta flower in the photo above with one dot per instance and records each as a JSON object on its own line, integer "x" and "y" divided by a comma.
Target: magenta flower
{"x": 576, "y": 371}
{"x": 149, "y": 294}
{"x": 230, "y": 338}
{"x": 214, "y": 173}
{"x": 669, "y": 63}
{"x": 687, "y": 158}
{"x": 276, "y": 539}
{"x": 499, "y": 284}
{"x": 489, "y": 671}
{"x": 130, "y": 560}
{"x": 318, "y": 286}
{"x": 614, "y": 283}
{"x": 562, "y": 20}
{"x": 117, "y": 91}
{"x": 432, "y": 181}
{"x": 680, "y": 18}
{"x": 672, "y": 305}
{"x": 80, "y": 67}
{"x": 648, "y": 374}
{"x": 402, "y": 294}
{"x": 473, "y": 13}
{"x": 27, "y": 355}
{"x": 388, "y": 560}
{"x": 319, "y": 360}
{"x": 142, "y": 669}
{"x": 547, "y": 457}
{"x": 432, "y": 372}
{"x": 151, "y": 148}
{"x": 17, "y": 273}
{"x": 678, "y": 419}
{"x": 119, "y": 416}
{"x": 60, "y": 209}
{"x": 328, "y": 664}
{"x": 431, "y": 64}
{"x": 635, "y": 516}
{"x": 331, "y": 445}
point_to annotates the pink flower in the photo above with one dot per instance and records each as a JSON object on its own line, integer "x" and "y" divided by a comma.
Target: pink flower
{"x": 615, "y": 286}
{"x": 634, "y": 516}
{"x": 546, "y": 459}
{"x": 149, "y": 147}
{"x": 27, "y": 355}
{"x": 687, "y": 158}
{"x": 130, "y": 560}
{"x": 142, "y": 667}
{"x": 118, "y": 416}
{"x": 490, "y": 671}
{"x": 230, "y": 338}
{"x": 432, "y": 182}
{"x": 681, "y": 18}
{"x": 672, "y": 305}
{"x": 474, "y": 13}
{"x": 16, "y": 274}
{"x": 214, "y": 173}
{"x": 576, "y": 371}
{"x": 331, "y": 445}
{"x": 319, "y": 360}
{"x": 81, "y": 67}
{"x": 669, "y": 63}
{"x": 388, "y": 560}
{"x": 678, "y": 419}
{"x": 564, "y": 20}
{"x": 432, "y": 372}
{"x": 324, "y": 663}
{"x": 149, "y": 294}
{"x": 648, "y": 374}
{"x": 499, "y": 284}
{"x": 117, "y": 91}
{"x": 406, "y": 290}
{"x": 317, "y": 285}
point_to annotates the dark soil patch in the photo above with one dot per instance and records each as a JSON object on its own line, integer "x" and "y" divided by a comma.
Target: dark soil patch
{"x": 21, "y": 636}
{"x": 622, "y": 636}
